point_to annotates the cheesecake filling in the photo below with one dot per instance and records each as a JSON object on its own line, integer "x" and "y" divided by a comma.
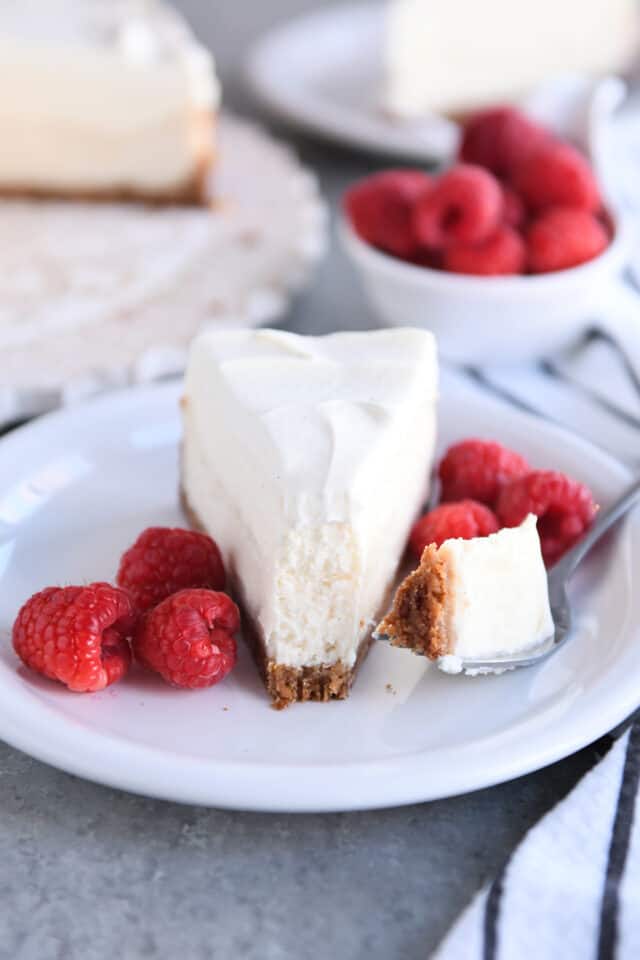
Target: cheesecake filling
{"x": 497, "y": 596}
{"x": 458, "y": 56}
{"x": 473, "y": 599}
{"x": 307, "y": 459}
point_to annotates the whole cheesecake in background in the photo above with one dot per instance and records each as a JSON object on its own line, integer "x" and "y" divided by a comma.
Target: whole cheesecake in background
{"x": 307, "y": 459}
{"x": 458, "y": 55}
{"x": 104, "y": 100}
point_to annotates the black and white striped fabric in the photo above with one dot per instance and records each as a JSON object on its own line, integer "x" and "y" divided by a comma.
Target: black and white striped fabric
{"x": 571, "y": 890}
{"x": 592, "y": 388}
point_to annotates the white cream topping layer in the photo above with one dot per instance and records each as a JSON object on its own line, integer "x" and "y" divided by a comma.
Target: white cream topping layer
{"x": 307, "y": 459}
{"x": 461, "y": 54}
{"x": 103, "y": 92}
{"x": 497, "y": 596}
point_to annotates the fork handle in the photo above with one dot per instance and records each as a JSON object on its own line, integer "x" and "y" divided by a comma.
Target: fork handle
{"x": 604, "y": 520}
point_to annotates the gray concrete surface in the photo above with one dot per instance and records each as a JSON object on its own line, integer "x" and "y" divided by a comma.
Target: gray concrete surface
{"x": 87, "y": 873}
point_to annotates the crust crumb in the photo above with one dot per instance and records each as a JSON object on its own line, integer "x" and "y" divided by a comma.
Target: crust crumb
{"x": 416, "y": 620}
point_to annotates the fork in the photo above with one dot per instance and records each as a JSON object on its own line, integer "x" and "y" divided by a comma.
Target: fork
{"x": 557, "y": 580}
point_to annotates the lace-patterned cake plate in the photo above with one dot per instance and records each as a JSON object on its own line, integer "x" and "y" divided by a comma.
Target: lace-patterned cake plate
{"x": 99, "y": 296}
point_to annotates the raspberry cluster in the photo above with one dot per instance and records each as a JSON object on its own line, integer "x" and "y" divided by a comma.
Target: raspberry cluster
{"x": 485, "y": 486}
{"x": 519, "y": 200}
{"x": 168, "y": 609}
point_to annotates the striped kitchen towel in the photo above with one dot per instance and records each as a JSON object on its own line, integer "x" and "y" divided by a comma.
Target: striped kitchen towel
{"x": 592, "y": 388}
{"x": 571, "y": 889}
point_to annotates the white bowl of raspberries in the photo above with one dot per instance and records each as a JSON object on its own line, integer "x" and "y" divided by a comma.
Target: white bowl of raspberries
{"x": 504, "y": 255}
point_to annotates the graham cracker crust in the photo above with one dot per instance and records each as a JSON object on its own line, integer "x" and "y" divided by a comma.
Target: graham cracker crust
{"x": 194, "y": 191}
{"x": 416, "y": 620}
{"x": 286, "y": 685}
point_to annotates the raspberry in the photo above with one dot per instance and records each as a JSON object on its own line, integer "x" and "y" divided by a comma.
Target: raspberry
{"x": 514, "y": 212}
{"x": 432, "y": 259}
{"x": 464, "y": 206}
{"x": 164, "y": 560}
{"x": 564, "y": 509}
{"x": 465, "y": 519}
{"x": 77, "y": 635}
{"x": 556, "y": 174}
{"x": 563, "y": 237}
{"x": 499, "y": 138}
{"x": 380, "y": 209}
{"x": 188, "y": 638}
{"x": 502, "y": 253}
{"x": 477, "y": 469}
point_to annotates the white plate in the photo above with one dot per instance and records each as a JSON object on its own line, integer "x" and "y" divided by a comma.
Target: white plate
{"x": 95, "y": 296}
{"x": 78, "y": 486}
{"x": 324, "y": 71}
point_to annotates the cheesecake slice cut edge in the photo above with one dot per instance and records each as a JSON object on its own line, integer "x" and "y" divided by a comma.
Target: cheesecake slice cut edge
{"x": 287, "y": 684}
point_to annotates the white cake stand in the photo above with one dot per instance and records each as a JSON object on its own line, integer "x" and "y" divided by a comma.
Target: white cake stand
{"x": 93, "y": 296}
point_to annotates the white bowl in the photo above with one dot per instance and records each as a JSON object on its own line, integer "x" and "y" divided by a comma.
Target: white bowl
{"x": 487, "y": 319}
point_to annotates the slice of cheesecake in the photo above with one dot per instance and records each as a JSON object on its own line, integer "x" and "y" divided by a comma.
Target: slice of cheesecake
{"x": 104, "y": 101}
{"x": 463, "y": 54}
{"x": 307, "y": 459}
{"x": 474, "y": 599}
